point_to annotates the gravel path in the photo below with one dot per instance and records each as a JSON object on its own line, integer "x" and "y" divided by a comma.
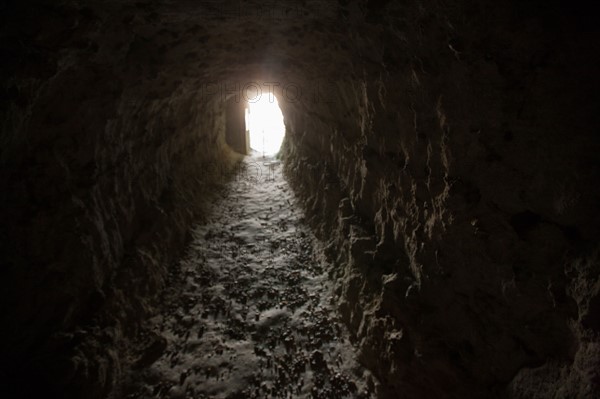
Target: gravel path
{"x": 249, "y": 313}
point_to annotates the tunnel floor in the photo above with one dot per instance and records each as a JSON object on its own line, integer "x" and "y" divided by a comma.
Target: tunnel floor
{"x": 249, "y": 312}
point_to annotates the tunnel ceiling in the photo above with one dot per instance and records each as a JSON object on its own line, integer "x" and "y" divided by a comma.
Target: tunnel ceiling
{"x": 195, "y": 42}
{"x": 445, "y": 152}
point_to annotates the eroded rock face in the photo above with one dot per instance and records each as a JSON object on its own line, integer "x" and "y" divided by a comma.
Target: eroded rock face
{"x": 446, "y": 151}
{"x": 104, "y": 164}
{"x": 459, "y": 198}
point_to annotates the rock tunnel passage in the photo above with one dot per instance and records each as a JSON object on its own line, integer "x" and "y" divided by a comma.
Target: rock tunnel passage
{"x": 444, "y": 152}
{"x": 250, "y": 313}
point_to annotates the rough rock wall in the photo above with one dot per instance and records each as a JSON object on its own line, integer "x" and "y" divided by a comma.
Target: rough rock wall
{"x": 104, "y": 165}
{"x": 454, "y": 174}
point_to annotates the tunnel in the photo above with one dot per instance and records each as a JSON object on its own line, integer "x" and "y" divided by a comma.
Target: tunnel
{"x": 428, "y": 227}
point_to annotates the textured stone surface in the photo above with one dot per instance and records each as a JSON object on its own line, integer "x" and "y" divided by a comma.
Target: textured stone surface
{"x": 460, "y": 202}
{"x": 447, "y": 151}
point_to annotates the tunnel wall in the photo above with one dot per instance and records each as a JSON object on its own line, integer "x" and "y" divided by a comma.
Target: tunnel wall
{"x": 105, "y": 163}
{"x": 452, "y": 175}
{"x": 235, "y": 126}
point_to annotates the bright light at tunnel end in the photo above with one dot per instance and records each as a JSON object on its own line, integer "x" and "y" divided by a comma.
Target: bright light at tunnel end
{"x": 264, "y": 122}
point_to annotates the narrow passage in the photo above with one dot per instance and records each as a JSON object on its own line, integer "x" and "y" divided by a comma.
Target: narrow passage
{"x": 249, "y": 313}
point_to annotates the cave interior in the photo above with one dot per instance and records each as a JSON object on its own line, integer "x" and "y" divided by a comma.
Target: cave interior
{"x": 444, "y": 154}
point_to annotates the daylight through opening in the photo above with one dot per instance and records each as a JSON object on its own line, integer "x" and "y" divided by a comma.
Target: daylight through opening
{"x": 264, "y": 122}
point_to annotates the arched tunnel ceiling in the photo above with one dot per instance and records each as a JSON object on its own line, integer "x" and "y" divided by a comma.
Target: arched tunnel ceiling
{"x": 200, "y": 42}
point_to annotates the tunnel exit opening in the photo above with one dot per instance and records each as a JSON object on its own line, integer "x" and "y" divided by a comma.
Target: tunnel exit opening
{"x": 264, "y": 122}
